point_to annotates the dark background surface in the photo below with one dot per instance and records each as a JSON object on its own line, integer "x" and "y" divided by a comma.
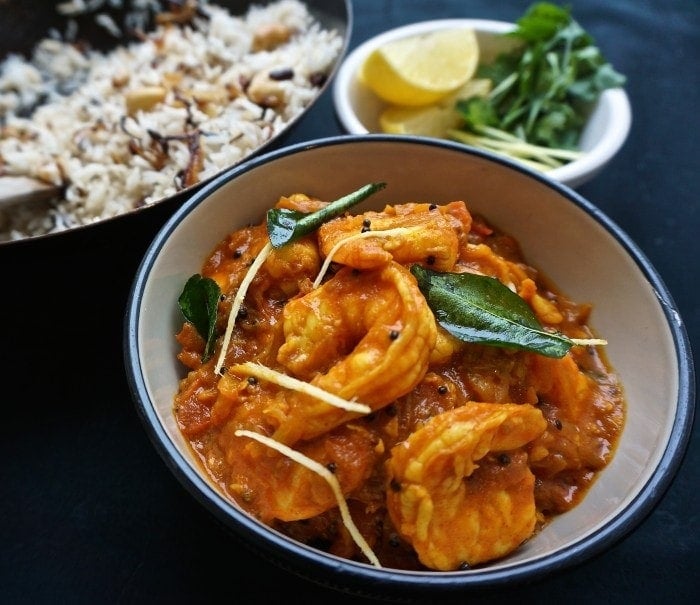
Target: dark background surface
{"x": 89, "y": 513}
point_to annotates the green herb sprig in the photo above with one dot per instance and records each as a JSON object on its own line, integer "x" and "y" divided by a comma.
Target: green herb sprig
{"x": 542, "y": 93}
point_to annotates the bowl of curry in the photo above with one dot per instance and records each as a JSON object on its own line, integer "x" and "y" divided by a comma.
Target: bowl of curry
{"x": 406, "y": 366}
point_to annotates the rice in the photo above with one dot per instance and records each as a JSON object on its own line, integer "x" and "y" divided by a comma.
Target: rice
{"x": 131, "y": 127}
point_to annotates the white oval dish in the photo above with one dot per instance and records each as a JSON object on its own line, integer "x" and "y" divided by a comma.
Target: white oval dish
{"x": 358, "y": 108}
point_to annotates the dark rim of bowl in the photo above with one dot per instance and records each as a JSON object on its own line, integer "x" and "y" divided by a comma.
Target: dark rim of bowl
{"x": 363, "y": 578}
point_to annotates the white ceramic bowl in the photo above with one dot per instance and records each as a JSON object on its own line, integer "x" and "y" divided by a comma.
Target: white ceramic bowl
{"x": 564, "y": 235}
{"x": 358, "y": 108}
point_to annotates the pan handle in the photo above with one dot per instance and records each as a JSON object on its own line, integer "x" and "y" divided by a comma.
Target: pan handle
{"x": 24, "y": 190}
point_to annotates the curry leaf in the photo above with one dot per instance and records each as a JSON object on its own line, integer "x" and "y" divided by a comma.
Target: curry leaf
{"x": 478, "y": 308}
{"x": 198, "y": 302}
{"x": 284, "y": 225}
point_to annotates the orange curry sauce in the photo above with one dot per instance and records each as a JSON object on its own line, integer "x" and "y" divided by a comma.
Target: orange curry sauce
{"x": 578, "y": 397}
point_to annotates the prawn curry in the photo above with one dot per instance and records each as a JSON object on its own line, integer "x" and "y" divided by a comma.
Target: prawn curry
{"x": 338, "y": 405}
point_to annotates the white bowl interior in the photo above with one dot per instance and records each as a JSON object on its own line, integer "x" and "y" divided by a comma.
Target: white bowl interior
{"x": 558, "y": 236}
{"x": 358, "y": 108}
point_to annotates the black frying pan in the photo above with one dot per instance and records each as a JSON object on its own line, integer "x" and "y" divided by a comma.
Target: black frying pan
{"x": 23, "y": 24}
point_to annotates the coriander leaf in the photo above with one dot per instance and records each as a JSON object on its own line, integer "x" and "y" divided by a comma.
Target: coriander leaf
{"x": 284, "y": 226}
{"x": 606, "y": 77}
{"x": 543, "y": 89}
{"x": 478, "y": 308}
{"x": 476, "y": 112}
{"x": 541, "y": 21}
{"x": 198, "y": 302}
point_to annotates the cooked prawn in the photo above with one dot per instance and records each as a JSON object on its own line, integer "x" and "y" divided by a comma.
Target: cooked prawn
{"x": 460, "y": 489}
{"x": 361, "y": 335}
{"x": 267, "y": 483}
{"x": 274, "y": 486}
{"x": 430, "y": 236}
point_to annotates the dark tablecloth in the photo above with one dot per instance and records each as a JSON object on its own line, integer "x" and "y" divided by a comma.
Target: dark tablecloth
{"x": 89, "y": 513}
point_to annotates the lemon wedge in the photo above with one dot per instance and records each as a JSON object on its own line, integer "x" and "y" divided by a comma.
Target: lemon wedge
{"x": 434, "y": 120}
{"x": 421, "y": 69}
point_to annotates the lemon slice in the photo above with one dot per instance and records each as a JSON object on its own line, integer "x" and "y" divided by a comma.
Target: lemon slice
{"x": 433, "y": 120}
{"x": 421, "y": 69}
